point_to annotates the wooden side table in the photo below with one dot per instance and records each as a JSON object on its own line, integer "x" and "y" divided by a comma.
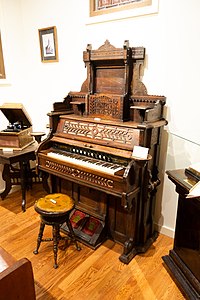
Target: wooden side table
{"x": 38, "y": 136}
{"x": 23, "y": 175}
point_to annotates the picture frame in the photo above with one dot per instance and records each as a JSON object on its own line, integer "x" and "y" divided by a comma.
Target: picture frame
{"x": 2, "y": 67}
{"x": 99, "y": 7}
{"x": 101, "y": 11}
{"x": 48, "y": 44}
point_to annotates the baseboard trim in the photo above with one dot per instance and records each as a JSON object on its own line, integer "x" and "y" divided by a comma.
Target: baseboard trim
{"x": 165, "y": 230}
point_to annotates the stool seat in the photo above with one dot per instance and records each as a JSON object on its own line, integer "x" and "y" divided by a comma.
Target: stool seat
{"x": 54, "y": 210}
{"x": 54, "y": 204}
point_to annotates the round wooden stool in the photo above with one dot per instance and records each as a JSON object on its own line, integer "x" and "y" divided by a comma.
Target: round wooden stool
{"x": 54, "y": 210}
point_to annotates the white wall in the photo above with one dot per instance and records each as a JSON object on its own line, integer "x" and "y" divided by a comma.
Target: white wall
{"x": 171, "y": 39}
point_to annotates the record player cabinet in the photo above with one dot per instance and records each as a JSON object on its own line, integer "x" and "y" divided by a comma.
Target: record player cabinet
{"x": 18, "y": 140}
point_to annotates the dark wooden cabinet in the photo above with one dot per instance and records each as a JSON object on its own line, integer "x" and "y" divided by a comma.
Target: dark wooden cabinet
{"x": 183, "y": 260}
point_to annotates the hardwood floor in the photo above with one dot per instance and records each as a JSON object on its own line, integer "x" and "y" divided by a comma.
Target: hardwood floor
{"x": 87, "y": 274}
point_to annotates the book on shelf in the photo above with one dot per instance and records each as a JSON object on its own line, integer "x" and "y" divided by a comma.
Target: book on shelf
{"x": 193, "y": 171}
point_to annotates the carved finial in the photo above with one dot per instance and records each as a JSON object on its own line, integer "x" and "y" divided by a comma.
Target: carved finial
{"x": 126, "y": 44}
{"x": 107, "y": 42}
{"x": 89, "y": 47}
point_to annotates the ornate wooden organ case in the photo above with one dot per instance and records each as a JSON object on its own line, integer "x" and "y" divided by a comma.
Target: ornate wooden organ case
{"x": 88, "y": 153}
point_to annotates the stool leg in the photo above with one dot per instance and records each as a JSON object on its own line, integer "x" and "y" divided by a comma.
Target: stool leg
{"x": 40, "y": 235}
{"x": 72, "y": 234}
{"x": 56, "y": 238}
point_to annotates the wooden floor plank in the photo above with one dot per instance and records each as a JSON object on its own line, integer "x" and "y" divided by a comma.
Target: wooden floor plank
{"x": 86, "y": 274}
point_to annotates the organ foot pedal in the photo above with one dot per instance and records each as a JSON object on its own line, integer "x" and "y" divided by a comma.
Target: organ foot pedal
{"x": 88, "y": 230}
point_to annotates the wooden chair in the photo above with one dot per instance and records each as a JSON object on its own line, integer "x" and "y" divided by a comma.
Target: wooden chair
{"x": 16, "y": 279}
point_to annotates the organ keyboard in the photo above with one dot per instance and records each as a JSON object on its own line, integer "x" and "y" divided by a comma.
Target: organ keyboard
{"x": 103, "y": 170}
{"x": 87, "y": 162}
{"x": 88, "y": 152}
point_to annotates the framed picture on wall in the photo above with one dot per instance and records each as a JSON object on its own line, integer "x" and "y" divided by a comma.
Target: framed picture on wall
{"x": 2, "y": 68}
{"x": 109, "y": 10}
{"x": 98, "y": 7}
{"x": 48, "y": 44}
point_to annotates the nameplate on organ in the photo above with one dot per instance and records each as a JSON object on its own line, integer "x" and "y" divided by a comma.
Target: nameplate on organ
{"x": 88, "y": 152}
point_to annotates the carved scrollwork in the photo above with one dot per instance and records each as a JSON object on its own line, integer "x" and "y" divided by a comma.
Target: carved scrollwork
{"x": 106, "y": 46}
{"x": 128, "y": 245}
{"x": 122, "y": 135}
{"x": 104, "y": 105}
{"x": 79, "y": 174}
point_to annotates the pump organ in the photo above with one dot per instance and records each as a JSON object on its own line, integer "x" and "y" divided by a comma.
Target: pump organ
{"x": 88, "y": 152}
